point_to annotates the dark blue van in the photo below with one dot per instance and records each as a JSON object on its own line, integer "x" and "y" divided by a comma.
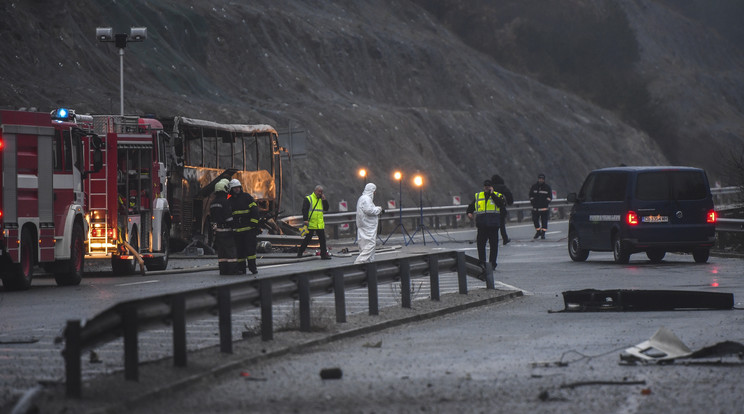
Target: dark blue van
{"x": 655, "y": 210}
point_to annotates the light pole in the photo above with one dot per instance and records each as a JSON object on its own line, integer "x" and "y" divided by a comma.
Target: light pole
{"x": 418, "y": 181}
{"x": 120, "y": 40}
{"x": 399, "y": 176}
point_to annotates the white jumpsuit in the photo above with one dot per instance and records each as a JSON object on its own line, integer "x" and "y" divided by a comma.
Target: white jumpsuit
{"x": 366, "y": 221}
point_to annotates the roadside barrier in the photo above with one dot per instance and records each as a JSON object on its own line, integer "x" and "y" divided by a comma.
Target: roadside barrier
{"x": 447, "y": 216}
{"x": 126, "y": 319}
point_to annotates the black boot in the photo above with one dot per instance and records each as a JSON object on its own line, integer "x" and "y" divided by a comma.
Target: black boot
{"x": 537, "y": 234}
{"x": 542, "y": 234}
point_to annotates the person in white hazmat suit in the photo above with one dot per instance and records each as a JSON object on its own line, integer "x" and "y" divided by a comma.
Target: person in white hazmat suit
{"x": 366, "y": 221}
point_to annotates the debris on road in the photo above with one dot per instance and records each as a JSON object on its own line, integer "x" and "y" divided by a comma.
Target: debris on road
{"x": 331, "y": 373}
{"x": 593, "y": 300}
{"x": 665, "y": 347}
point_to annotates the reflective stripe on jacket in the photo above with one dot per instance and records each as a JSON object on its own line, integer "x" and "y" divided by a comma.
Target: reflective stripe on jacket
{"x": 486, "y": 206}
{"x": 315, "y": 214}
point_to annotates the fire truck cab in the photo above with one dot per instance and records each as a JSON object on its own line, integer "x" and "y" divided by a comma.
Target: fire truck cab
{"x": 127, "y": 203}
{"x": 42, "y": 201}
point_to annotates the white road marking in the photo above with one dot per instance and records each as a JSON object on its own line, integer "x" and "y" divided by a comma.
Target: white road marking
{"x": 139, "y": 283}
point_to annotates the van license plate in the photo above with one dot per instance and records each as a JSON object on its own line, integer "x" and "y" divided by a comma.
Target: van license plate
{"x": 655, "y": 219}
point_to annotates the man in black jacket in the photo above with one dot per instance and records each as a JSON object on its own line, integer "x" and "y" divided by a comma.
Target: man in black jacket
{"x": 486, "y": 207}
{"x": 540, "y": 196}
{"x": 500, "y": 187}
{"x": 222, "y": 220}
{"x": 312, "y": 215}
{"x": 245, "y": 223}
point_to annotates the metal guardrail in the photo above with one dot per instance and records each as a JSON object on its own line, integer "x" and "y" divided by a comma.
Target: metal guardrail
{"x": 127, "y": 319}
{"x": 439, "y": 216}
{"x": 730, "y": 225}
{"x": 723, "y": 196}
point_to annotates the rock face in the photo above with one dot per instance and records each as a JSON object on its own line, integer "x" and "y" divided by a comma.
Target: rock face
{"x": 379, "y": 84}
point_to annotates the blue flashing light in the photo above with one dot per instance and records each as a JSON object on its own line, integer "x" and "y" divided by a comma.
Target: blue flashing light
{"x": 63, "y": 114}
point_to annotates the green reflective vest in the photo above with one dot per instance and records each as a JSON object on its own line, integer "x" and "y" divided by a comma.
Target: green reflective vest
{"x": 315, "y": 214}
{"x": 483, "y": 206}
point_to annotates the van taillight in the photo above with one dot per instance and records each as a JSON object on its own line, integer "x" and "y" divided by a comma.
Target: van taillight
{"x": 711, "y": 217}
{"x": 631, "y": 218}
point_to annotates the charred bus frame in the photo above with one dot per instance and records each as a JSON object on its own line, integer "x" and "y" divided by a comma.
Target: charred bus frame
{"x": 206, "y": 152}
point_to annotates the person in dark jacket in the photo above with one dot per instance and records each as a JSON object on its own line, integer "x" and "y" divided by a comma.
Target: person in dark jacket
{"x": 222, "y": 222}
{"x": 500, "y": 187}
{"x": 312, "y": 215}
{"x": 540, "y": 196}
{"x": 245, "y": 226}
{"x": 486, "y": 207}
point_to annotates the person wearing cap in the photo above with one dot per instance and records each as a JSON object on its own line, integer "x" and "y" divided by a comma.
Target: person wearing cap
{"x": 222, "y": 222}
{"x": 500, "y": 187}
{"x": 486, "y": 207}
{"x": 245, "y": 226}
{"x": 312, "y": 215}
{"x": 540, "y": 196}
{"x": 366, "y": 221}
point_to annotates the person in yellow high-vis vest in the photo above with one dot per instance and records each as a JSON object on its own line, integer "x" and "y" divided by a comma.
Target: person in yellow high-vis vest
{"x": 486, "y": 207}
{"x": 312, "y": 215}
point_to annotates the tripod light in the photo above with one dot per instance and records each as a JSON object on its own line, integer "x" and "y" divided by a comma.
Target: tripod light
{"x": 399, "y": 176}
{"x": 418, "y": 181}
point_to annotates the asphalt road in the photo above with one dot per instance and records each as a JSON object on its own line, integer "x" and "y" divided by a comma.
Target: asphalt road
{"x": 510, "y": 357}
{"x": 505, "y": 357}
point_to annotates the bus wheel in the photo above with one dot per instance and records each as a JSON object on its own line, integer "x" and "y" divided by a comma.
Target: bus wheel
{"x": 123, "y": 267}
{"x": 72, "y": 270}
{"x": 19, "y": 278}
{"x": 161, "y": 263}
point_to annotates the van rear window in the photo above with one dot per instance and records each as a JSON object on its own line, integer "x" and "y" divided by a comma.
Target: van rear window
{"x": 671, "y": 185}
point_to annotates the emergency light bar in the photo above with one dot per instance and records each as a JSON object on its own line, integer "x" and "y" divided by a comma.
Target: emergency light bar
{"x": 63, "y": 114}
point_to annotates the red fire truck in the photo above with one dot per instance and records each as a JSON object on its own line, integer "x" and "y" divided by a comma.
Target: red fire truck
{"x": 42, "y": 202}
{"x": 127, "y": 203}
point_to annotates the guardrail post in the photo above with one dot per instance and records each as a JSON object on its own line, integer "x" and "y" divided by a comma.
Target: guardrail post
{"x": 462, "y": 274}
{"x": 434, "y": 276}
{"x": 303, "y": 289}
{"x": 178, "y": 313}
{"x": 72, "y": 353}
{"x": 339, "y": 294}
{"x": 489, "y": 276}
{"x": 374, "y": 303}
{"x": 224, "y": 308}
{"x": 405, "y": 283}
{"x": 131, "y": 354}
{"x": 267, "y": 322}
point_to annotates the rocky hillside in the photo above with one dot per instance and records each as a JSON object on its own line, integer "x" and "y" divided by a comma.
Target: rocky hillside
{"x": 389, "y": 84}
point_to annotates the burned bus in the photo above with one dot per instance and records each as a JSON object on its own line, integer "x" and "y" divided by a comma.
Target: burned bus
{"x": 206, "y": 152}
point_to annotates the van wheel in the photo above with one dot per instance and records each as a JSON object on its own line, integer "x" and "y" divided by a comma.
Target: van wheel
{"x": 72, "y": 272}
{"x": 701, "y": 255}
{"x": 21, "y": 274}
{"x": 575, "y": 251}
{"x": 620, "y": 251}
{"x": 655, "y": 256}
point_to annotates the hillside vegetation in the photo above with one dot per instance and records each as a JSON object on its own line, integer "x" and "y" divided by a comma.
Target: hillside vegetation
{"x": 456, "y": 93}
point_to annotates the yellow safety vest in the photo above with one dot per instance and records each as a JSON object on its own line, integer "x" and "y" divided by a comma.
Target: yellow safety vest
{"x": 315, "y": 214}
{"x": 483, "y": 206}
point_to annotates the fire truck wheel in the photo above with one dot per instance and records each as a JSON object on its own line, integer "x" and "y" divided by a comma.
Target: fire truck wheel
{"x": 123, "y": 267}
{"x": 161, "y": 263}
{"x": 20, "y": 277}
{"x": 72, "y": 270}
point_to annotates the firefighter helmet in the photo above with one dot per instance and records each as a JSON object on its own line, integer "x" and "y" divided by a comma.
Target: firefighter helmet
{"x": 221, "y": 185}
{"x": 234, "y": 183}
